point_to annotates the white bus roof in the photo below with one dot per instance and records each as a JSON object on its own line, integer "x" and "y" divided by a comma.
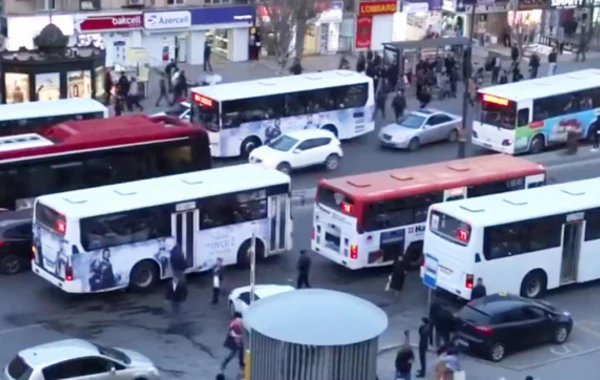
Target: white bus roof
{"x": 163, "y": 190}
{"x": 546, "y": 86}
{"x": 520, "y": 205}
{"x": 24, "y": 141}
{"x": 32, "y": 110}
{"x": 281, "y": 85}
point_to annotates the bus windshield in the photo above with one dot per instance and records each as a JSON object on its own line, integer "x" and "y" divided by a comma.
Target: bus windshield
{"x": 450, "y": 228}
{"x": 501, "y": 116}
{"x": 207, "y": 116}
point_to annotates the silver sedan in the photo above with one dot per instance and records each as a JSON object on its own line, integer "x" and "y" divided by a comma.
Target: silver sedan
{"x": 420, "y": 127}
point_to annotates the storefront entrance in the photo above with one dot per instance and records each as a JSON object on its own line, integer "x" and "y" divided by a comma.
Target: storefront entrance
{"x": 219, "y": 39}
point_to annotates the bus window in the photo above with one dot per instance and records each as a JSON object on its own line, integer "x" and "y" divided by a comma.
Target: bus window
{"x": 523, "y": 117}
{"x": 207, "y": 116}
{"x": 174, "y": 159}
{"x": 498, "y": 115}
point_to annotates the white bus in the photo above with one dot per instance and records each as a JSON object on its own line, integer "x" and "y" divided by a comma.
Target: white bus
{"x": 531, "y": 115}
{"x": 241, "y": 116}
{"x": 522, "y": 242}
{"x": 119, "y": 236}
{"x": 31, "y": 117}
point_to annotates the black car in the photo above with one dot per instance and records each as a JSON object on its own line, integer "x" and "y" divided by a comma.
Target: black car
{"x": 15, "y": 241}
{"x": 496, "y": 324}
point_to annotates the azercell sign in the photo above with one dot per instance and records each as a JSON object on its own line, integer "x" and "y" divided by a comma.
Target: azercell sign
{"x": 167, "y": 20}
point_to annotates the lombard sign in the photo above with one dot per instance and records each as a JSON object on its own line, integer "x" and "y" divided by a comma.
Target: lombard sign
{"x": 167, "y": 20}
{"x": 374, "y": 8}
{"x": 98, "y": 23}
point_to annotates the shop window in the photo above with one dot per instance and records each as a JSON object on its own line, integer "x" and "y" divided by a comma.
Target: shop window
{"x": 46, "y": 5}
{"x": 175, "y": 2}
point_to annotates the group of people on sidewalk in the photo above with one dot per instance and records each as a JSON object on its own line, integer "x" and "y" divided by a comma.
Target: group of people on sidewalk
{"x": 126, "y": 93}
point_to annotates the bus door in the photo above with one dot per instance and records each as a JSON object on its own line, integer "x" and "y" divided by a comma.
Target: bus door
{"x": 185, "y": 222}
{"x": 277, "y": 223}
{"x": 572, "y": 234}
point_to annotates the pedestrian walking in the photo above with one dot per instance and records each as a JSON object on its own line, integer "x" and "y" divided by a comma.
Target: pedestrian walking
{"x": 424, "y": 97}
{"x": 443, "y": 322}
{"x": 207, "y": 53}
{"x": 177, "y": 261}
{"x": 405, "y": 359}
{"x": 234, "y": 342}
{"x": 123, "y": 86}
{"x": 396, "y": 279}
{"x": 552, "y": 62}
{"x": 134, "y": 97}
{"x": 479, "y": 290}
{"x": 162, "y": 88}
{"x": 182, "y": 87}
{"x": 496, "y": 67}
{"x": 380, "y": 100}
{"x": 303, "y": 266}
{"x": 176, "y": 294}
{"x": 534, "y": 65}
{"x": 217, "y": 274}
{"x": 399, "y": 104}
{"x": 108, "y": 86}
{"x": 424, "y": 338}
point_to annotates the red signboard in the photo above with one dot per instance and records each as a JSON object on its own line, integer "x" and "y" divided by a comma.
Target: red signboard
{"x": 373, "y": 8}
{"x": 364, "y": 28}
{"x": 96, "y": 23}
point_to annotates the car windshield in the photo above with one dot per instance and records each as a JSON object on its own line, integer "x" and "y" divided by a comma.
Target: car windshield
{"x": 411, "y": 121}
{"x": 176, "y": 110}
{"x": 113, "y": 353}
{"x": 284, "y": 143}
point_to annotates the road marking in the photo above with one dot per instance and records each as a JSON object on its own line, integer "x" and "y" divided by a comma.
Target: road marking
{"x": 22, "y": 328}
{"x": 588, "y": 330}
{"x": 565, "y": 349}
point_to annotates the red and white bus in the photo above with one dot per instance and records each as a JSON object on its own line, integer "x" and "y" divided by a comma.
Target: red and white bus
{"x": 368, "y": 220}
{"x": 91, "y": 153}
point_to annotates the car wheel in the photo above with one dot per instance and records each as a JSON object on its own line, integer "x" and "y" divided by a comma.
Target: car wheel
{"x": 534, "y": 284}
{"x": 497, "y": 352}
{"x": 537, "y": 144}
{"x": 332, "y": 162}
{"x": 143, "y": 276}
{"x": 414, "y": 144}
{"x": 561, "y": 334}
{"x": 284, "y": 167}
{"x": 453, "y": 136}
{"x": 10, "y": 264}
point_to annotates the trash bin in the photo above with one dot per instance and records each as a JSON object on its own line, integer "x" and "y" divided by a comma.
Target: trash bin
{"x": 572, "y": 142}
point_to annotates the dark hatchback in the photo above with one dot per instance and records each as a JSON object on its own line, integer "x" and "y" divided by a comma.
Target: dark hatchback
{"x": 497, "y": 324}
{"x": 15, "y": 241}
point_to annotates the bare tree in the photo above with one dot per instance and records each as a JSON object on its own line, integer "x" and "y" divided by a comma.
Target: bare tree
{"x": 285, "y": 17}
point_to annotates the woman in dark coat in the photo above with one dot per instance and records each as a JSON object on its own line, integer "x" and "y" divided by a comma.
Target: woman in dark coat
{"x": 398, "y": 275}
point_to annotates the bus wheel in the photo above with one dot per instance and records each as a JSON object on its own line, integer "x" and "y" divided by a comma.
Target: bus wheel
{"x": 331, "y": 129}
{"x": 248, "y": 145}
{"x": 534, "y": 284}
{"x": 414, "y": 255}
{"x": 143, "y": 276}
{"x": 537, "y": 144}
{"x": 243, "y": 258}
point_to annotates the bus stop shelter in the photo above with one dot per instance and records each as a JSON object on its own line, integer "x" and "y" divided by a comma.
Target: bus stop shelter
{"x": 406, "y": 54}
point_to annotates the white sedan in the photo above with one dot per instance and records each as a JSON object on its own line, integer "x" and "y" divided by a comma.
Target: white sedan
{"x": 239, "y": 298}
{"x": 300, "y": 149}
{"x": 420, "y": 127}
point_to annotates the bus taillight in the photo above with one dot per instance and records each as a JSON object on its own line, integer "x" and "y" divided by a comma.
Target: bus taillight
{"x": 469, "y": 281}
{"x": 347, "y": 208}
{"x": 61, "y": 226}
{"x": 69, "y": 273}
{"x": 353, "y": 251}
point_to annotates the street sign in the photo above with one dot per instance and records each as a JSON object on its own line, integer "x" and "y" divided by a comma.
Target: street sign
{"x": 431, "y": 271}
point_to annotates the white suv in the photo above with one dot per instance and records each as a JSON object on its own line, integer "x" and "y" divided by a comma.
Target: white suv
{"x": 300, "y": 149}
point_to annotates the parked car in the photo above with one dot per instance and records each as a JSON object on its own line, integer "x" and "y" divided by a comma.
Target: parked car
{"x": 239, "y": 298}
{"x": 15, "y": 241}
{"x": 497, "y": 324}
{"x": 300, "y": 149}
{"x": 420, "y": 127}
{"x": 79, "y": 359}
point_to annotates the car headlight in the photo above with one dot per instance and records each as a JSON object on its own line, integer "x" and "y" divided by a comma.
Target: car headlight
{"x": 154, "y": 372}
{"x": 566, "y": 313}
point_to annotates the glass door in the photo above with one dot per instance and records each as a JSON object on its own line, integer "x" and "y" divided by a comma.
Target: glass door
{"x": 571, "y": 245}
{"x": 277, "y": 223}
{"x": 183, "y": 227}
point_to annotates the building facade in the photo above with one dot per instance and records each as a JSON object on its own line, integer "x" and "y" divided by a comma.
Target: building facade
{"x": 162, "y": 29}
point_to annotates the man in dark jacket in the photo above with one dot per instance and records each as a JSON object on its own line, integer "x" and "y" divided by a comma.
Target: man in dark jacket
{"x": 177, "y": 261}
{"x": 424, "y": 337}
{"x": 534, "y": 65}
{"x": 207, "y": 52}
{"x": 108, "y": 86}
{"x": 162, "y": 86}
{"x": 123, "y": 86}
{"x": 399, "y": 104}
{"x": 398, "y": 275}
{"x": 479, "y": 290}
{"x": 296, "y": 68}
{"x": 303, "y": 267}
{"x": 443, "y": 322}
{"x": 404, "y": 359}
{"x": 176, "y": 294}
{"x": 380, "y": 100}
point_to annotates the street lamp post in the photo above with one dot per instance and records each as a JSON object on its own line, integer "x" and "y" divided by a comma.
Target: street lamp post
{"x": 462, "y": 138}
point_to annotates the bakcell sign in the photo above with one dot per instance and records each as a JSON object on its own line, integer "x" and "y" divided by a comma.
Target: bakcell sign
{"x": 374, "y": 8}
{"x": 167, "y": 20}
{"x": 96, "y": 23}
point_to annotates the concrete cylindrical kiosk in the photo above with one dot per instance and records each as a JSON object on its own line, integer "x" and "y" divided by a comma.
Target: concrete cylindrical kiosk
{"x": 314, "y": 334}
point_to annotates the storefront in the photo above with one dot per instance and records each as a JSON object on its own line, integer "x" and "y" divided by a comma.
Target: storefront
{"x": 375, "y": 24}
{"x": 114, "y": 32}
{"x": 491, "y": 20}
{"x": 526, "y": 22}
{"x": 181, "y": 34}
{"x": 420, "y": 19}
{"x": 565, "y": 20}
{"x": 22, "y": 30}
{"x": 323, "y": 33}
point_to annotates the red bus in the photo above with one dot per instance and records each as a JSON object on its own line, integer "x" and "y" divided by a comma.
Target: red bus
{"x": 91, "y": 153}
{"x": 370, "y": 219}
